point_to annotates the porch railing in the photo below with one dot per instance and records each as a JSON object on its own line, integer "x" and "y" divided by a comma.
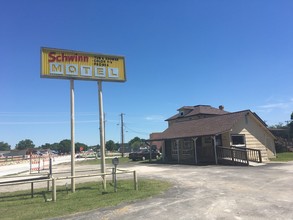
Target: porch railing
{"x": 253, "y": 154}
{"x": 232, "y": 156}
{"x": 238, "y": 155}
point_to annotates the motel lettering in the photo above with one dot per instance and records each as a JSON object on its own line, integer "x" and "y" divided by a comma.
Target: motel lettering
{"x": 83, "y": 70}
{"x": 67, "y": 58}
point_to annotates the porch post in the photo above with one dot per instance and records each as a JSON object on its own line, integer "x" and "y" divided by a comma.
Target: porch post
{"x": 163, "y": 151}
{"x": 177, "y": 144}
{"x": 195, "y": 153}
{"x": 215, "y": 149}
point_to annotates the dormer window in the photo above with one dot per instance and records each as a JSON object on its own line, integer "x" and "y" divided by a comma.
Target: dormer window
{"x": 181, "y": 113}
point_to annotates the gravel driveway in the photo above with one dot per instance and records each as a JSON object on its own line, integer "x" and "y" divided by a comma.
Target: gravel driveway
{"x": 209, "y": 192}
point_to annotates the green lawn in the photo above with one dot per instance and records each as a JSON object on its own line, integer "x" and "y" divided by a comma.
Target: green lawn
{"x": 88, "y": 196}
{"x": 285, "y": 156}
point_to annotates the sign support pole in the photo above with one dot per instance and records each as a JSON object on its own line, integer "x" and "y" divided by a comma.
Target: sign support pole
{"x": 102, "y": 133}
{"x": 72, "y": 135}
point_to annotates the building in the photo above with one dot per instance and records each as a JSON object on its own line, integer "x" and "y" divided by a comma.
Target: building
{"x": 200, "y": 134}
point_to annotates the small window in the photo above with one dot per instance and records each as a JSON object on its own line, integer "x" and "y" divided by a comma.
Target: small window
{"x": 219, "y": 140}
{"x": 238, "y": 140}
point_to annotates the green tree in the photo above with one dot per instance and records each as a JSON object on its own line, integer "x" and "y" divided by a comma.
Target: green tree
{"x": 46, "y": 146}
{"x": 55, "y": 146}
{"x": 110, "y": 145}
{"x": 65, "y": 146}
{"x": 25, "y": 144}
{"x": 136, "y": 143}
{"x": 4, "y": 146}
{"x": 79, "y": 145}
{"x": 135, "y": 139}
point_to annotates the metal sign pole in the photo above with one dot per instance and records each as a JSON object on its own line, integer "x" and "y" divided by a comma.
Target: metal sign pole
{"x": 102, "y": 133}
{"x": 72, "y": 135}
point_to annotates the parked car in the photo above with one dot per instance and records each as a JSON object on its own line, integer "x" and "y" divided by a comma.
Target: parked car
{"x": 144, "y": 155}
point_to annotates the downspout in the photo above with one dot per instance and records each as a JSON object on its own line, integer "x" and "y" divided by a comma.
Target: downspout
{"x": 215, "y": 150}
{"x": 195, "y": 153}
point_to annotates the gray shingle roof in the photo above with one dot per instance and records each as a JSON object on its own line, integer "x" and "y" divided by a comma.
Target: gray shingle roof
{"x": 203, "y": 127}
{"x": 199, "y": 110}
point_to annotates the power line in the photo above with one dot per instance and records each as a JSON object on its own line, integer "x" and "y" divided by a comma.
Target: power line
{"x": 138, "y": 132}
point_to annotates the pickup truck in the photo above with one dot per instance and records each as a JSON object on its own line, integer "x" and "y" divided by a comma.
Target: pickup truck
{"x": 144, "y": 155}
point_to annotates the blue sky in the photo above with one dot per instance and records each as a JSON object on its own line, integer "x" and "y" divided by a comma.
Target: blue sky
{"x": 178, "y": 53}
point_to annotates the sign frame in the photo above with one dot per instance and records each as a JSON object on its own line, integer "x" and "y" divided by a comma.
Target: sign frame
{"x": 78, "y": 65}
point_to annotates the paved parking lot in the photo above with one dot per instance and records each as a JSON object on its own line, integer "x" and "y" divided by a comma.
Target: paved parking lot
{"x": 210, "y": 192}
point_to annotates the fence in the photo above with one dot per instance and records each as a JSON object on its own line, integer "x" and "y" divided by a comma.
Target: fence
{"x": 38, "y": 163}
{"x": 54, "y": 180}
{"x": 49, "y": 178}
{"x": 13, "y": 159}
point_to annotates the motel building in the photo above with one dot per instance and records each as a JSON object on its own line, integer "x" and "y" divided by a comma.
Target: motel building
{"x": 203, "y": 134}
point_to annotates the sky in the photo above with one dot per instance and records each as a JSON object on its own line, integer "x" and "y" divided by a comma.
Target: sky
{"x": 178, "y": 53}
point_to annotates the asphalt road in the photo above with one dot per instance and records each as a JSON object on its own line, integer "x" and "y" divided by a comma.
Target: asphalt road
{"x": 209, "y": 192}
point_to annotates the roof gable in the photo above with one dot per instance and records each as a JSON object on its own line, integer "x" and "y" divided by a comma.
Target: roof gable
{"x": 203, "y": 127}
{"x": 189, "y": 111}
{"x": 207, "y": 126}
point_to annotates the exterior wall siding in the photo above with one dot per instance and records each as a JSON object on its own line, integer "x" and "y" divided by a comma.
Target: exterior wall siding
{"x": 256, "y": 136}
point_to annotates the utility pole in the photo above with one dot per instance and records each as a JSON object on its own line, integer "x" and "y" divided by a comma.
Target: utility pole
{"x": 105, "y": 129}
{"x": 102, "y": 133}
{"x": 122, "y": 134}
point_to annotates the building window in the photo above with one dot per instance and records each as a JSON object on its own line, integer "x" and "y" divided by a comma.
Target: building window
{"x": 219, "y": 140}
{"x": 238, "y": 140}
{"x": 174, "y": 147}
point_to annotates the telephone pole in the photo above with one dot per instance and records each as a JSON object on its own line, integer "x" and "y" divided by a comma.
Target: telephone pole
{"x": 122, "y": 134}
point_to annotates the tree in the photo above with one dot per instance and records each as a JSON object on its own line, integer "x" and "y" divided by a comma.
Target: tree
{"x": 110, "y": 145}
{"x": 136, "y": 143}
{"x": 65, "y": 146}
{"x": 135, "y": 139}
{"x": 4, "y": 146}
{"x": 25, "y": 144}
{"x": 78, "y": 147}
{"x": 46, "y": 146}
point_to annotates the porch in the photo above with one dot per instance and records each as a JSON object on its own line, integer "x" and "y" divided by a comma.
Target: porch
{"x": 207, "y": 150}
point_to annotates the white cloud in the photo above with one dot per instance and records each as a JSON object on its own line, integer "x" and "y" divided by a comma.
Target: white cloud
{"x": 155, "y": 118}
{"x": 275, "y": 105}
{"x": 278, "y": 105}
{"x": 275, "y": 111}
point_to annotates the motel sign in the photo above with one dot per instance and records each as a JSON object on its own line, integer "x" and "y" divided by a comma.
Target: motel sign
{"x": 57, "y": 63}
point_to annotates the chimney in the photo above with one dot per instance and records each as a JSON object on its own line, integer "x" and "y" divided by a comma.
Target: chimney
{"x": 221, "y": 107}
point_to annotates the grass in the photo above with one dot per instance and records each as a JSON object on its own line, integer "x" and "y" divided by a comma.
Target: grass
{"x": 285, "y": 157}
{"x": 88, "y": 196}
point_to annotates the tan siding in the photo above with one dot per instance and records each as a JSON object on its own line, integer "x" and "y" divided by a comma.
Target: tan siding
{"x": 256, "y": 136}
